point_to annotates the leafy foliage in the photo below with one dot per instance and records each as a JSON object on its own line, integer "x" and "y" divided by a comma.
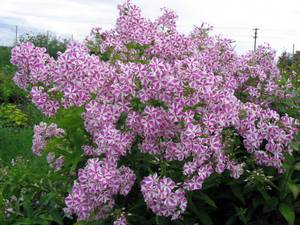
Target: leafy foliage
{"x": 11, "y": 116}
{"x": 4, "y": 56}
{"x": 52, "y": 43}
{"x": 9, "y": 92}
{"x": 31, "y": 197}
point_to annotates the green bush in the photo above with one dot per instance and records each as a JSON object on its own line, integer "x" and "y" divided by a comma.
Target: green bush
{"x": 11, "y": 116}
{"x": 52, "y": 43}
{"x": 31, "y": 194}
{"x": 30, "y": 191}
{"x": 9, "y": 92}
{"x": 4, "y": 56}
{"x": 290, "y": 69}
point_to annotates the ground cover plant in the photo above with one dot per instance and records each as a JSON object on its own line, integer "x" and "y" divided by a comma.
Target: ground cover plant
{"x": 148, "y": 125}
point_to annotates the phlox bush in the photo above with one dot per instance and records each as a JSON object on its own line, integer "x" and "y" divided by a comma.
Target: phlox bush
{"x": 161, "y": 111}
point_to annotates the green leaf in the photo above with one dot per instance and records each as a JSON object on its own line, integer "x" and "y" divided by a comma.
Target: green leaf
{"x": 297, "y": 166}
{"x": 177, "y": 222}
{"x": 287, "y": 212}
{"x": 295, "y": 146}
{"x": 24, "y": 221}
{"x": 240, "y": 212}
{"x": 264, "y": 194}
{"x": 27, "y": 206}
{"x": 204, "y": 197}
{"x": 231, "y": 220}
{"x": 238, "y": 193}
{"x": 121, "y": 123}
{"x": 202, "y": 215}
{"x": 161, "y": 220}
{"x": 270, "y": 204}
{"x": 56, "y": 217}
{"x": 294, "y": 188}
{"x": 47, "y": 198}
{"x": 157, "y": 103}
{"x": 205, "y": 218}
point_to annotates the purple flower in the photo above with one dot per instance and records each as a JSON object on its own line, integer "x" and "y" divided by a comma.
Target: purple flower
{"x": 95, "y": 188}
{"x": 163, "y": 196}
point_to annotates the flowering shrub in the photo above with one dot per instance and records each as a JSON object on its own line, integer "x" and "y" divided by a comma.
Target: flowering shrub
{"x": 151, "y": 95}
{"x": 160, "y": 198}
{"x": 95, "y": 188}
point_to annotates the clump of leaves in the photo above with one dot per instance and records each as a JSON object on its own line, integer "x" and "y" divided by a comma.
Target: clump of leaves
{"x": 11, "y": 116}
{"x": 9, "y": 92}
{"x": 31, "y": 197}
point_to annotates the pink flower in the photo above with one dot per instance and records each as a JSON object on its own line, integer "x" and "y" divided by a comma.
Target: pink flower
{"x": 163, "y": 196}
{"x": 95, "y": 187}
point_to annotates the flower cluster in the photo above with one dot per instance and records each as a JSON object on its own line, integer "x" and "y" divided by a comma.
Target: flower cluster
{"x": 163, "y": 196}
{"x": 42, "y": 133}
{"x": 92, "y": 194}
{"x": 177, "y": 93}
{"x": 265, "y": 127}
{"x": 34, "y": 65}
{"x": 43, "y": 102}
{"x": 57, "y": 163}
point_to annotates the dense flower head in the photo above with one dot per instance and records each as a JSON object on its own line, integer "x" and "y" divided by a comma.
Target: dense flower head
{"x": 42, "y": 101}
{"x": 34, "y": 65}
{"x": 163, "y": 196}
{"x": 182, "y": 96}
{"x": 266, "y": 127}
{"x": 76, "y": 74}
{"x": 97, "y": 183}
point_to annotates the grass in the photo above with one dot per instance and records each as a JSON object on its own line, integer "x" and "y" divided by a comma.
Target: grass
{"x": 15, "y": 142}
{"x": 18, "y": 141}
